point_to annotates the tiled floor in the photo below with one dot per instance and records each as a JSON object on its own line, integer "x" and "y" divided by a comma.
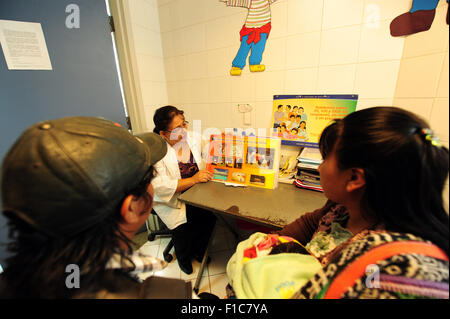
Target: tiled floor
{"x": 214, "y": 279}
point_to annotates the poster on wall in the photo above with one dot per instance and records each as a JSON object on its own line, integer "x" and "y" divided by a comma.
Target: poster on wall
{"x": 24, "y": 45}
{"x": 244, "y": 160}
{"x": 300, "y": 119}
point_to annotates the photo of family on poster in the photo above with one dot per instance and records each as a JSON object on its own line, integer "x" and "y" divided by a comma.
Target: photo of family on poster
{"x": 289, "y": 122}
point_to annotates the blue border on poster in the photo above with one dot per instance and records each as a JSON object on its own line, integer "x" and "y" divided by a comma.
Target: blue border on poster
{"x": 318, "y": 96}
{"x": 299, "y": 143}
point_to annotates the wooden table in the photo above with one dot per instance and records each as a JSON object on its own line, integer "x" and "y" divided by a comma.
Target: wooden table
{"x": 269, "y": 207}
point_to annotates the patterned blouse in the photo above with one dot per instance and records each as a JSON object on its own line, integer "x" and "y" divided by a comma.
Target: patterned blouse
{"x": 330, "y": 233}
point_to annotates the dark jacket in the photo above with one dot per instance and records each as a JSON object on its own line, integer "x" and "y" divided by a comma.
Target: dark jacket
{"x": 118, "y": 285}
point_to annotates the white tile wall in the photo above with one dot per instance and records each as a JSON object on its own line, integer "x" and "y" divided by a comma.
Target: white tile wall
{"x": 366, "y": 103}
{"x": 443, "y": 86}
{"x": 263, "y": 113}
{"x": 381, "y": 10}
{"x": 197, "y": 66}
{"x": 170, "y": 69}
{"x": 268, "y": 84}
{"x": 151, "y": 68}
{"x": 173, "y": 93}
{"x": 219, "y": 89}
{"x": 243, "y": 88}
{"x": 439, "y": 118}
{"x": 301, "y": 80}
{"x": 145, "y": 13}
{"x": 181, "y": 68}
{"x": 198, "y": 90}
{"x": 340, "y": 46}
{"x": 148, "y": 50}
{"x": 153, "y": 93}
{"x": 302, "y": 50}
{"x": 419, "y": 76}
{"x": 338, "y": 79}
{"x": 315, "y": 47}
{"x": 422, "y": 85}
{"x": 193, "y": 12}
{"x": 304, "y": 16}
{"x": 375, "y": 45}
{"x": 193, "y": 39}
{"x": 323, "y": 46}
{"x": 218, "y": 62}
{"x": 376, "y": 79}
{"x": 339, "y": 13}
{"x": 220, "y": 33}
{"x": 420, "y": 106}
{"x": 145, "y": 41}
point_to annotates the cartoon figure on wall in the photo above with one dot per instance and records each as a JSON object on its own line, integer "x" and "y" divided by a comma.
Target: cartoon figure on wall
{"x": 253, "y": 34}
{"x": 419, "y": 18}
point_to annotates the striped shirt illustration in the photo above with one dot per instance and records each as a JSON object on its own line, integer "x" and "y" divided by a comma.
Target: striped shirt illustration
{"x": 259, "y": 11}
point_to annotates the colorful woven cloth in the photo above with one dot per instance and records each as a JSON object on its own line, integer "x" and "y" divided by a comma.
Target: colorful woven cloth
{"x": 407, "y": 275}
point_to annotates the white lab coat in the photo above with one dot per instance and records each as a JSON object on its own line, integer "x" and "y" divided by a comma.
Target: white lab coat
{"x": 165, "y": 202}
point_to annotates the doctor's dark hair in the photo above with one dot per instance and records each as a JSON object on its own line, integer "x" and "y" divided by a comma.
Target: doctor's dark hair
{"x": 163, "y": 116}
{"x": 405, "y": 172}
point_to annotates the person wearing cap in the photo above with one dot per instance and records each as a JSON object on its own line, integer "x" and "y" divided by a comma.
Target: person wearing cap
{"x": 179, "y": 170}
{"x": 75, "y": 191}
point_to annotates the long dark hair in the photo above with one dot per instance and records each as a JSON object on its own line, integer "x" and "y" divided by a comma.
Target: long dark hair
{"x": 163, "y": 116}
{"x": 405, "y": 173}
{"x": 37, "y": 266}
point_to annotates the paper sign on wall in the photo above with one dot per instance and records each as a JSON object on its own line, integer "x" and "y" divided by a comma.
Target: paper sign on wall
{"x": 24, "y": 46}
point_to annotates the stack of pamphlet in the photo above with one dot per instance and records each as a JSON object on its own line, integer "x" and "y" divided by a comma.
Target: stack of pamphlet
{"x": 244, "y": 160}
{"x": 308, "y": 169}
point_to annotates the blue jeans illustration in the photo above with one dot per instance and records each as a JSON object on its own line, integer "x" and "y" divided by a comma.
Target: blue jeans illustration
{"x": 255, "y": 56}
{"x": 424, "y": 5}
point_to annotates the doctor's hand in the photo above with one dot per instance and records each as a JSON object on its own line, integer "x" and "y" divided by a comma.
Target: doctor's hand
{"x": 202, "y": 176}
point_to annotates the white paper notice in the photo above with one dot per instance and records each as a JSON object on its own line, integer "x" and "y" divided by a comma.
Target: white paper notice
{"x": 24, "y": 45}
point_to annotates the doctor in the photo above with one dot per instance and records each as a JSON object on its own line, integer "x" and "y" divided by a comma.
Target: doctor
{"x": 176, "y": 172}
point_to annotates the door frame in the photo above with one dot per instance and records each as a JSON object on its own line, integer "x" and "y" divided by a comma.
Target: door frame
{"x": 126, "y": 52}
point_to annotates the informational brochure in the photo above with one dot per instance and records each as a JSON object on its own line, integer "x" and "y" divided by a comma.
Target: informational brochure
{"x": 245, "y": 160}
{"x": 300, "y": 119}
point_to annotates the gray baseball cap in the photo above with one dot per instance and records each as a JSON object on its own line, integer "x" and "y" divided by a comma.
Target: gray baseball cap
{"x": 64, "y": 176}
